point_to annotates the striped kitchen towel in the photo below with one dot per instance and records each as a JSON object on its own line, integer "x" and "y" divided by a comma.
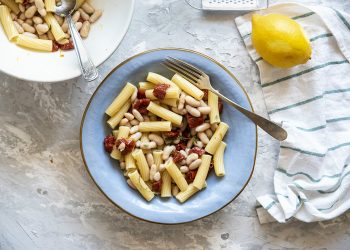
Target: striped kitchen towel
{"x": 312, "y": 102}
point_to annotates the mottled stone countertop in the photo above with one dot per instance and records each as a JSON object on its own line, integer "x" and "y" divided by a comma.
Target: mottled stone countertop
{"x": 48, "y": 201}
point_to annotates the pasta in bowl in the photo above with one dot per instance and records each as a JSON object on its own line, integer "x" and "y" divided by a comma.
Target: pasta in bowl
{"x": 195, "y": 202}
{"x": 167, "y": 135}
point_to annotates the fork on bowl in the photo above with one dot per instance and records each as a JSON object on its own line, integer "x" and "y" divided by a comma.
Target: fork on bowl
{"x": 202, "y": 81}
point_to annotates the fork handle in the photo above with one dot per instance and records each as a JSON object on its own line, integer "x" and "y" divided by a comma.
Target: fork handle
{"x": 268, "y": 126}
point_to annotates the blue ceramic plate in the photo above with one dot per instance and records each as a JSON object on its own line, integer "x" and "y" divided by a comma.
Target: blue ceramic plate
{"x": 239, "y": 155}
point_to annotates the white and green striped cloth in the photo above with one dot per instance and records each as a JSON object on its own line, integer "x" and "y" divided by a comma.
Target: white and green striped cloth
{"x": 312, "y": 101}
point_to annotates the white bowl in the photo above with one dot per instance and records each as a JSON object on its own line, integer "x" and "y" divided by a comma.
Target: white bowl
{"x": 104, "y": 38}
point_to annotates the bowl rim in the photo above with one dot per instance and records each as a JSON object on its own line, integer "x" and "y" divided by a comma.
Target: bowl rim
{"x": 62, "y": 79}
{"x": 102, "y": 82}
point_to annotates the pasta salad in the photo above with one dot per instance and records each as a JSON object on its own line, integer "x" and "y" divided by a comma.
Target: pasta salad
{"x": 33, "y": 24}
{"x": 167, "y": 136}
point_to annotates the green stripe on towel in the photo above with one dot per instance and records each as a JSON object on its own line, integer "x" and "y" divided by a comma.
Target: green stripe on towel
{"x": 296, "y": 104}
{"x": 303, "y": 72}
{"x": 346, "y": 23}
{"x": 324, "y": 126}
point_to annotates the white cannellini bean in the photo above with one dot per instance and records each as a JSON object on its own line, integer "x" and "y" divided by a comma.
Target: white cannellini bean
{"x": 192, "y": 157}
{"x": 189, "y": 143}
{"x": 204, "y": 110}
{"x": 123, "y": 122}
{"x": 30, "y": 12}
{"x": 42, "y": 28}
{"x": 50, "y": 36}
{"x": 183, "y": 152}
{"x": 76, "y": 16}
{"x": 183, "y": 162}
{"x": 28, "y": 28}
{"x": 202, "y": 127}
{"x": 146, "y": 118}
{"x": 192, "y": 102}
{"x": 136, "y": 136}
{"x": 84, "y": 15}
{"x": 137, "y": 115}
{"x": 21, "y": 7}
{"x": 134, "y": 129}
{"x": 78, "y": 26}
{"x": 42, "y": 12}
{"x": 85, "y": 29}
{"x": 182, "y": 100}
{"x": 138, "y": 144}
{"x": 176, "y": 141}
{"x": 148, "y": 145}
{"x": 179, "y": 111}
{"x": 203, "y": 104}
{"x": 22, "y": 17}
{"x": 152, "y": 171}
{"x": 199, "y": 144}
{"x": 44, "y": 37}
{"x": 214, "y": 126}
{"x": 134, "y": 95}
{"x": 184, "y": 169}
{"x": 149, "y": 158}
{"x": 59, "y": 19}
{"x": 157, "y": 139}
{"x": 37, "y": 20}
{"x": 167, "y": 151}
{"x": 209, "y": 133}
{"x": 193, "y": 111}
{"x": 161, "y": 167}
{"x": 30, "y": 35}
{"x": 156, "y": 176}
{"x": 130, "y": 184}
{"x": 29, "y": 21}
{"x": 39, "y": 4}
{"x": 174, "y": 190}
{"x": 129, "y": 116}
{"x": 203, "y": 137}
{"x": 64, "y": 26}
{"x": 134, "y": 122}
{"x": 18, "y": 27}
{"x": 87, "y": 8}
{"x": 19, "y": 21}
{"x": 122, "y": 165}
{"x": 121, "y": 147}
{"x": 195, "y": 164}
{"x": 94, "y": 17}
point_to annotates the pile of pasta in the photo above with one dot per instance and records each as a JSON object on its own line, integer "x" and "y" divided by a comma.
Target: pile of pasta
{"x": 32, "y": 23}
{"x": 167, "y": 135}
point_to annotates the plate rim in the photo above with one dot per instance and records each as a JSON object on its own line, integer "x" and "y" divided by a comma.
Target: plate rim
{"x": 103, "y": 81}
{"x": 62, "y": 79}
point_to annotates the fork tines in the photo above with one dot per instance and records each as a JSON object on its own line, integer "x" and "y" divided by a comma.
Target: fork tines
{"x": 186, "y": 70}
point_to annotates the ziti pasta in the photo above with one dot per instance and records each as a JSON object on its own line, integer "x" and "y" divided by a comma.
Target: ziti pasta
{"x": 165, "y": 138}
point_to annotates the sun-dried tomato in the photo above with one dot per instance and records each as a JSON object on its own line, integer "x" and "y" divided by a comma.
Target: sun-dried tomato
{"x": 194, "y": 121}
{"x": 180, "y": 146}
{"x": 67, "y": 46}
{"x": 177, "y": 156}
{"x": 141, "y": 105}
{"x": 196, "y": 150}
{"x": 156, "y": 186}
{"x": 109, "y": 142}
{"x": 221, "y": 106}
{"x": 129, "y": 145}
{"x": 159, "y": 90}
{"x": 55, "y": 47}
{"x": 172, "y": 134}
{"x": 190, "y": 175}
{"x": 205, "y": 97}
{"x": 141, "y": 93}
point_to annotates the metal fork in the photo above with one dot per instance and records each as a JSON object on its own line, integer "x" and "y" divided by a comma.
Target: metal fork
{"x": 202, "y": 81}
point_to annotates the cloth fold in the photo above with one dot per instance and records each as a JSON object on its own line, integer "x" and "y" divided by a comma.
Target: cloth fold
{"x": 312, "y": 177}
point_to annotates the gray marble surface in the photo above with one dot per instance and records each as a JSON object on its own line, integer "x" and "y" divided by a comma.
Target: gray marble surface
{"x": 48, "y": 201}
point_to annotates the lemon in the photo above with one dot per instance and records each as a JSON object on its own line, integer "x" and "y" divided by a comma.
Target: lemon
{"x": 280, "y": 41}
